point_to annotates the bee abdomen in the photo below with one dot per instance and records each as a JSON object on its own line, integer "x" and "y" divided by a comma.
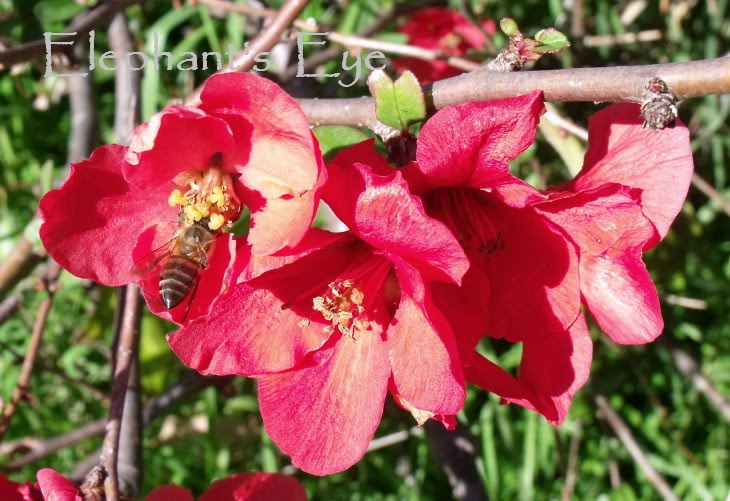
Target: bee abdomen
{"x": 177, "y": 279}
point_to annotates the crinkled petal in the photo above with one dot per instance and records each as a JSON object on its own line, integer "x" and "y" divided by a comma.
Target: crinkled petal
{"x": 324, "y": 415}
{"x": 13, "y": 491}
{"x": 284, "y": 166}
{"x": 176, "y": 140}
{"x": 171, "y": 493}
{"x": 555, "y": 367}
{"x": 382, "y": 211}
{"x": 256, "y": 486}
{"x": 92, "y": 223}
{"x": 610, "y": 229}
{"x": 657, "y": 162}
{"x": 261, "y": 326}
{"x": 471, "y": 144}
{"x": 430, "y": 377}
{"x": 534, "y": 277}
{"x": 56, "y": 487}
{"x": 552, "y": 370}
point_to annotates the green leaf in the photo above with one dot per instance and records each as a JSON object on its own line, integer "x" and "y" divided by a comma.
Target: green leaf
{"x": 55, "y": 11}
{"x": 623, "y": 492}
{"x": 509, "y": 27}
{"x": 333, "y": 138}
{"x": 397, "y": 104}
{"x": 550, "y": 41}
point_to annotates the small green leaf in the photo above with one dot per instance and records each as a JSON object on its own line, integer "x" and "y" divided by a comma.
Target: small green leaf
{"x": 333, "y": 138}
{"x": 55, "y": 11}
{"x": 509, "y": 27}
{"x": 550, "y": 41}
{"x": 397, "y": 104}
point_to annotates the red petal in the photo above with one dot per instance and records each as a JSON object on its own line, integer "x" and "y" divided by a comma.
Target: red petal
{"x": 284, "y": 165}
{"x": 247, "y": 333}
{"x": 429, "y": 378}
{"x": 170, "y": 493}
{"x": 325, "y": 414}
{"x": 534, "y": 278}
{"x": 470, "y": 144}
{"x": 176, "y": 140}
{"x": 610, "y": 229}
{"x": 12, "y": 491}
{"x": 254, "y": 487}
{"x": 659, "y": 163}
{"x": 555, "y": 367}
{"x": 56, "y": 487}
{"x": 256, "y": 328}
{"x": 93, "y": 221}
{"x": 382, "y": 211}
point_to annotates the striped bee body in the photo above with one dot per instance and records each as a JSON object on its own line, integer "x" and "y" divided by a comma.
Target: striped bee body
{"x": 177, "y": 279}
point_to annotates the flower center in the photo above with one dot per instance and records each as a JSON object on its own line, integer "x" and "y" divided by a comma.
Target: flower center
{"x": 208, "y": 199}
{"x": 342, "y": 306}
{"x": 466, "y": 213}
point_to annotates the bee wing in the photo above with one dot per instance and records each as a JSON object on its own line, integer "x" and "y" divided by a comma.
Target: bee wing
{"x": 149, "y": 261}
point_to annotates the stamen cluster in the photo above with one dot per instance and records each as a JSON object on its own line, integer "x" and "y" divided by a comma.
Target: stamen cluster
{"x": 342, "y": 306}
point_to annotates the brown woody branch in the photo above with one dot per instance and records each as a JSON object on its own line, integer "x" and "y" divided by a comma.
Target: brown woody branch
{"x": 81, "y": 26}
{"x": 263, "y": 42}
{"x": 48, "y": 282}
{"x": 614, "y": 84}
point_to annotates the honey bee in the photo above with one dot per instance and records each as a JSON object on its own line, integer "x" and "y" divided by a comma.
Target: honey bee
{"x": 186, "y": 254}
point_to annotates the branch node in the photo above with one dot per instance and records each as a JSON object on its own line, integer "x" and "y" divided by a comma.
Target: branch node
{"x": 659, "y": 107}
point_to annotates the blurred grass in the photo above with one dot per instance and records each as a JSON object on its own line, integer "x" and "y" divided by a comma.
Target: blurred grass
{"x": 520, "y": 456}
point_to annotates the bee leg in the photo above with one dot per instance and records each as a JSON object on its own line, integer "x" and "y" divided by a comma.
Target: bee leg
{"x": 203, "y": 260}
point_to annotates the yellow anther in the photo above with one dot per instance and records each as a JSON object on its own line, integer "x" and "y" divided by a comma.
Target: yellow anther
{"x": 177, "y": 198}
{"x": 216, "y": 221}
{"x": 192, "y": 213}
{"x": 203, "y": 209}
{"x": 217, "y": 196}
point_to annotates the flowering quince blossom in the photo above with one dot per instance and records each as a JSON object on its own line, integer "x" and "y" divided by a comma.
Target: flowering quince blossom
{"x": 52, "y": 486}
{"x": 328, "y": 329}
{"x": 535, "y": 255}
{"x": 442, "y": 30}
{"x": 247, "y": 144}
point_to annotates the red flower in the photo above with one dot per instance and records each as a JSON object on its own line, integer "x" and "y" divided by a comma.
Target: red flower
{"x": 52, "y": 486}
{"x": 330, "y": 328}
{"x": 442, "y": 30}
{"x": 534, "y": 255}
{"x": 247, "y": 144}
{"x": 241, "y": 487}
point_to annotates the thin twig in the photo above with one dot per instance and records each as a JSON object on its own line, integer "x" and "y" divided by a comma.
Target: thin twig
{"x": 263, "y": 42}
{"x": 81, "y": 26}
{"x": 18, "y": 264}
{"x": 9, "y": 306}
{"x": 127, "y": 338}
{"x": 711, "y": 193}
{"x": 571, "y": 473}
{"x": 623, "y": 433}
{"x": 689, "y": 367}
{"x": 614, "y": 84}
{"x": 622, "y": 38}
{"x": 48, "y": 282}
{"x": 189, "y": 384}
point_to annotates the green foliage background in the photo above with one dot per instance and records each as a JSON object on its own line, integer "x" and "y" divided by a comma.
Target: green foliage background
{"x": 519, "y": 455}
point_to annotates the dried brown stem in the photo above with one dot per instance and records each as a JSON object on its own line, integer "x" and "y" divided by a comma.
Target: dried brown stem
{"x": 127, "y": 339}
{"x": 622, "y": 431}
{"x": 82, "y": 26}
{"x": 624, "y": 83}
{"x": 689, "y": 367}
{"x": 189, "y": 384}
{"x": 19, "y": 263}
{"x": 263, "y": 42}
{"x": 571, "y": 473}
{"x": 48, "y": 282}
{"x": 8, "y": 307}
{"x": 711, "y": 193}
